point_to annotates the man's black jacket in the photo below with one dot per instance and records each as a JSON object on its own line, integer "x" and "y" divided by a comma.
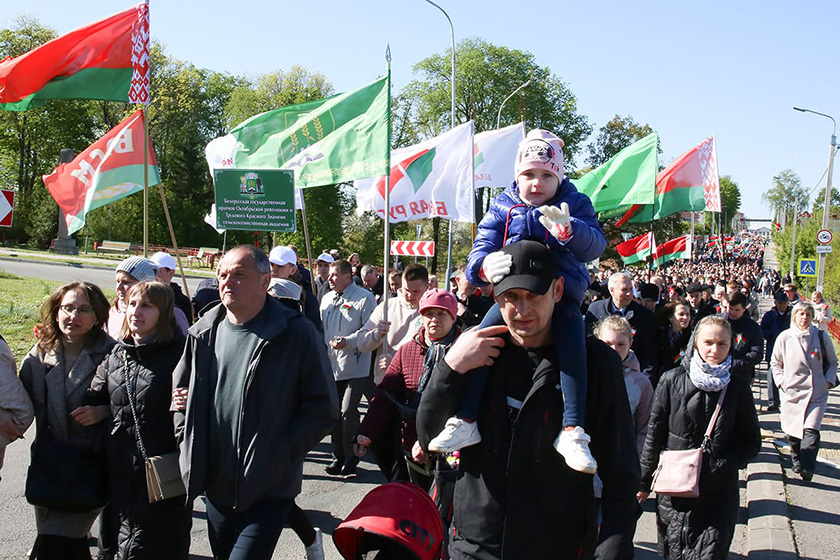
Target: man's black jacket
{"x": 515, "y": 496}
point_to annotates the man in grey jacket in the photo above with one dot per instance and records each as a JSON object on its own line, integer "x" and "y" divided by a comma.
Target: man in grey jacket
{"x": 344, "y": 311}
{"x": 259, "y": 395}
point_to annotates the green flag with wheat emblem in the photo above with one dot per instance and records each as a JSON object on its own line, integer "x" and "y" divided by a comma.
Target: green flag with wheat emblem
{"x": 328, "y": 141}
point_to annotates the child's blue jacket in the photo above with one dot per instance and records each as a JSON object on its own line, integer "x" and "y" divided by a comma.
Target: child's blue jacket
{"x": 510, "y": 219}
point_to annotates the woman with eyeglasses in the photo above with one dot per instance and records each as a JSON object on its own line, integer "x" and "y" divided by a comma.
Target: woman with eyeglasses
{"x": 57, "y": 373}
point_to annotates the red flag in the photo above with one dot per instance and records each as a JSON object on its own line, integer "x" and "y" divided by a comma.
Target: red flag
{"x": 690, "y": 182}
{"x": 678, "y": 248}
{"x": 110, "y": 169}
{"x": 107, "y": 60}
{"x": 636, "y": 249}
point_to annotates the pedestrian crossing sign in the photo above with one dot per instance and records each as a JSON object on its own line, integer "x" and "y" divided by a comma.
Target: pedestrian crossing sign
{"x": 807, "y": 268}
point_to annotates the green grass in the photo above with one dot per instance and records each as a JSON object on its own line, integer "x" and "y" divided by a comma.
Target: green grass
{"x": 20, "y": 309}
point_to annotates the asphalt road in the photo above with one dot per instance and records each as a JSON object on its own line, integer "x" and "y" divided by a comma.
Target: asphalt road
{"x": 102, "y": 277}
{"x": 326, "y": 499}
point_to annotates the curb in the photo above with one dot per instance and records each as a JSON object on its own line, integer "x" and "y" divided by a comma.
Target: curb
{"x": 768, "y": 529}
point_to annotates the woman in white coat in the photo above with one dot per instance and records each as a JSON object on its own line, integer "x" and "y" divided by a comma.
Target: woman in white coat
{"x": 804, "y": 367}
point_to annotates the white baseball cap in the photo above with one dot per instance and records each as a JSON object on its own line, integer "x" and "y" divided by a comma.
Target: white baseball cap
{"x": 164, "y": 260}
{"x": 326, "y": 257}
{"x": 282, "y": 255}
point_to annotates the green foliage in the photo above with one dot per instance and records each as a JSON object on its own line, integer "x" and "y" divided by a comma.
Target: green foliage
{"x": 730, "y": 202}
{"x": 326, "y": 207}
{"x": 819, "y": 200}
{"x": 806, "y": 242}
{"x": 485, "y": 75}
{"x": 787, "y": 187}
{"x": 613, "y": 137}
{"x": 275, "y": 90}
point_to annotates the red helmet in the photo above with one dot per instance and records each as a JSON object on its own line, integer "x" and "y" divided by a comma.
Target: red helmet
{"x": 400, "y": 513}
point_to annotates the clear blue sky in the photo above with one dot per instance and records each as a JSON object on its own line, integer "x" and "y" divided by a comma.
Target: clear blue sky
{"x": 733, "y": 69}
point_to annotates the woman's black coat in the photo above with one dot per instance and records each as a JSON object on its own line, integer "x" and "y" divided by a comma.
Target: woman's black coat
{"x": 680, "y": 415}
{"x": 150, "y": 369}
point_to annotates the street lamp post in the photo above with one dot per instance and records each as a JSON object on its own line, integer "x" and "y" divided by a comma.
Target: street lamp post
{"x": 517, "y": 90}
{"x": 451, "y": 221}
{"x": 827, "y": 203}
{"x": 793, "y": 239}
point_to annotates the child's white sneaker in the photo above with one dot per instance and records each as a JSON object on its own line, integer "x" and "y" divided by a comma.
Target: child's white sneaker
{"x": 573, "y": 445}
{"x": 455, "y": 435}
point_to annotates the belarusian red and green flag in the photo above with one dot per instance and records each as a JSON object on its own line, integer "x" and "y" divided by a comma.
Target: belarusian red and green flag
{"x": 110, "y": 169}
{"x": 678, "y": 248}
{"x": 637, "y": 249}
{"x": 689, "y": 183}
{"x": 328, "y": 141}
{"x": 628, "y": 178}
{"x": 430, "y": 179}
{"x": 106, "y": 60}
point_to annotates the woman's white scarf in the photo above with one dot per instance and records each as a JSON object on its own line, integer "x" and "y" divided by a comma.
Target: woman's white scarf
{"x": 707, "y": 377}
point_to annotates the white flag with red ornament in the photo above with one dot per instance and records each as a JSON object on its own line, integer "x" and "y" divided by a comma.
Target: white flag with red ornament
{"x": 430, "y": 179}
{"x": 495, "y": 152}
{"x": 139, "y": 90}
{"x": 707, "y": 159}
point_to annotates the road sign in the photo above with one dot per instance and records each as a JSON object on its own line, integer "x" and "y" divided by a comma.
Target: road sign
{"x": 413, "y": 248}
{"x": 824, "y": 236}
{"x": 7, "y": 207}
{"x": 255, "y": 199}
{"x": 807, "y": 268}
{"x": 823, "y": 249}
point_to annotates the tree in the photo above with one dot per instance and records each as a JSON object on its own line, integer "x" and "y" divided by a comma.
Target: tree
{"x": 730, "y": 202}
{"x": 326, "y": 206}
{"x": 485, "y": 75}
{"x": 819, "y": 200}
{"x": 275, "y": 90}
{"x": 613, "y": 137}
{"x": 787, "y": 187}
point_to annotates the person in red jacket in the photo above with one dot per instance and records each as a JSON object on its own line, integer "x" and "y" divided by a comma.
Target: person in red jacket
{"x": 398, "y": 394}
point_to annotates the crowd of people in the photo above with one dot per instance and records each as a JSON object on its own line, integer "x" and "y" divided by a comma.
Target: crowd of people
{"x": 532, "y": 398}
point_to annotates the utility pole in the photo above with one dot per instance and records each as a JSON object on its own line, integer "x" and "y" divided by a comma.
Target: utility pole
{"x": 827, "y": 204}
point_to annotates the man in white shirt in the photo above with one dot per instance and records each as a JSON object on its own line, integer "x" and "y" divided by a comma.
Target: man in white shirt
{"x": 344, "y": 311}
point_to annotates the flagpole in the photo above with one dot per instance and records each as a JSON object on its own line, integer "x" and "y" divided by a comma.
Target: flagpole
{"x": 387, "y": 227}
{"x": 306, "y": 239}
{"x": 146, "y": 140}
{"x": 175, "y": 245}
{"x": 691, "y": 242}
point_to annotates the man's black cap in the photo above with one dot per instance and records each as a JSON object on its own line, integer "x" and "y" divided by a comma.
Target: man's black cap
{"x": 649, "y": 291}
{"x": 533, "y": 268}
{"x": 694, "y": 287}
{"x": 781, "y": 296}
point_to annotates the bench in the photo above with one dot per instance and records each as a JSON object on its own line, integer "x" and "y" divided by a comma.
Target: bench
{"x": 114, "y": 247}
{"x": 204, "y": 256}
